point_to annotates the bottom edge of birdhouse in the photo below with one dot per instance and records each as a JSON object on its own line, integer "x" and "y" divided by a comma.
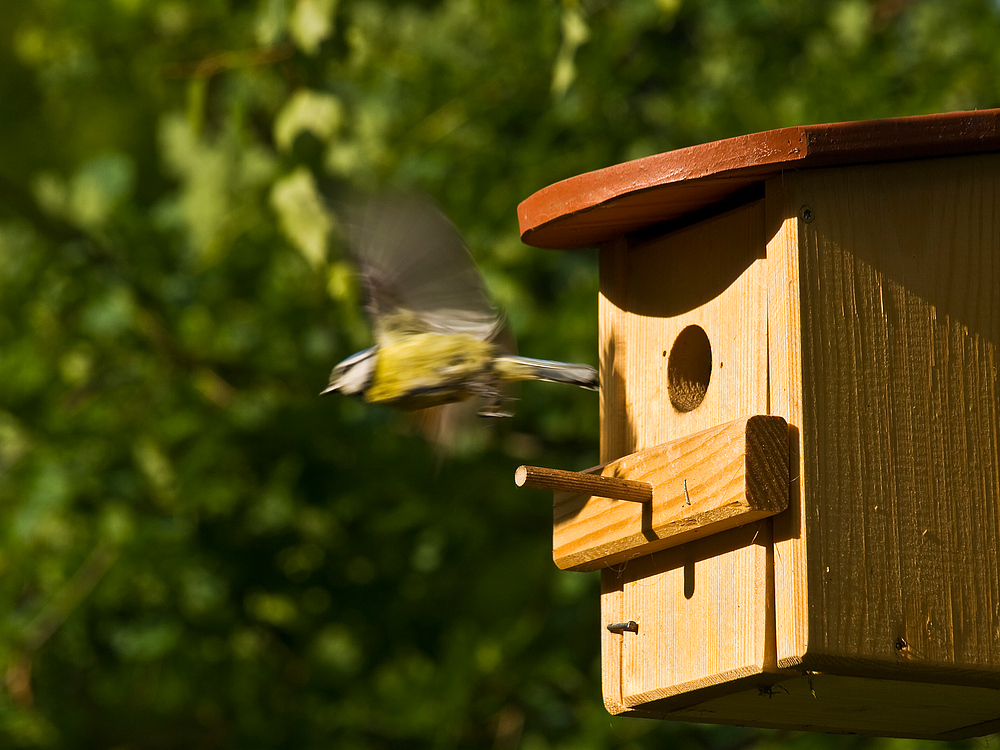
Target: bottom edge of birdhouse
{"x": 842, "y": 704}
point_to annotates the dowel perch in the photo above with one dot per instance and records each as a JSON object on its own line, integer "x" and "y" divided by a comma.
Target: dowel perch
{"x": 576, "y": 482}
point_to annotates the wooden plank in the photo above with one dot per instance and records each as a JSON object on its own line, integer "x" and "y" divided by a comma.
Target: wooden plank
{"x": 702, "y": 611}
{"x": 701, "y": 484}
{"x": 900, "y": 326}
{"x": 710, "y": 275}
{"x": 617, "y": 436}
{"x": 605, "y": 204}
{"x": 612, "y": 584}
{"x": 784, "y": 397}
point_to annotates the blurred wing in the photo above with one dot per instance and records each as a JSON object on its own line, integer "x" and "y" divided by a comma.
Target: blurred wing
{"x": 451, "y": 428}
{"x": 417, "y": 272}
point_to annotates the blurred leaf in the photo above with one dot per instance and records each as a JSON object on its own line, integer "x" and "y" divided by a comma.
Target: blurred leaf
{"x": 311, "y": 22}
{"x": 98, "y": 187}
{"x": 271, "y": 21}
{"x": 312, "y": 111}
{"x": 303, "y": 217}
{"x": 574, "y": 34}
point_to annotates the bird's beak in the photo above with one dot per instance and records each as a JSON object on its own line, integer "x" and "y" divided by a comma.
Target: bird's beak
{"x": 352, "y": 375}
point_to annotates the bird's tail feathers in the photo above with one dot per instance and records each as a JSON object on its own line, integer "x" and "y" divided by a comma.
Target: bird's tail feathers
{"x": 512, "y": 367}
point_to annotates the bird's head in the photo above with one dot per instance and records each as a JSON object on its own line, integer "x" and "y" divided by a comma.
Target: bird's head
{"x": 353, "y": 376}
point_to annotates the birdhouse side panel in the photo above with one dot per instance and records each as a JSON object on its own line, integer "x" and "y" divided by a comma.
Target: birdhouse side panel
{"x": 899, "y": 316}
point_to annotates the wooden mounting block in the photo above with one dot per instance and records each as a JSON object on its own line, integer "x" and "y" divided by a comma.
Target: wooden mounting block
{"x": 704, "y": 483}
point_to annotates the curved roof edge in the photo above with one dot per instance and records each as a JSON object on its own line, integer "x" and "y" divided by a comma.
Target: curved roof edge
{"x": 594, "y": 207}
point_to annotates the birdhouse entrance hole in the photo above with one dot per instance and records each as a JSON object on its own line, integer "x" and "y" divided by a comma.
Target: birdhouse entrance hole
{"x": 689, "y": 368}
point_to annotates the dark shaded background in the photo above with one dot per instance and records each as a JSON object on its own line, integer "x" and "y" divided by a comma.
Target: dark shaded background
{"x": 200, "y": 552}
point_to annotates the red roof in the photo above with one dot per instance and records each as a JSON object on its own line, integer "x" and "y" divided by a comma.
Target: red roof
{"x": 598, "y": 206}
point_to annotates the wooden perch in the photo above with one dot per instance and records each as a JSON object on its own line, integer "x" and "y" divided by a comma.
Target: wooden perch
{"x": 576, "y": 482}
{"x": 701, "y": 484}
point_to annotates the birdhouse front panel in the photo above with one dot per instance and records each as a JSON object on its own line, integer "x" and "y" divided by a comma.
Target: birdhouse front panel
{"x": 684, "y": 348}
{"x": 683, "y": 330}
{"x": 703, "y": 606}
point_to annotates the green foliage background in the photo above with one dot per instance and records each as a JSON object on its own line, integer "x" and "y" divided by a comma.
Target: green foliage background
{"x": 197, "y": 550}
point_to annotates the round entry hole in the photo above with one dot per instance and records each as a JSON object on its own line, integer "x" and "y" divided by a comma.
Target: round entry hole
{"x": 689, "y": 368}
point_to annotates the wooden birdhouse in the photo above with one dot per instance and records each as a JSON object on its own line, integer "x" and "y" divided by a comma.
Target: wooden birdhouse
{"x": 797, "y": 520}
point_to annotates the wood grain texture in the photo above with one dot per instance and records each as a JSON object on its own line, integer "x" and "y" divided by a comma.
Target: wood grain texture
{"x": 894, "y": 569}
{"x": 612, "y": 586}
{"x": 701, "y": 484}
{"x": 603, "y": 205}
{"x": 702, "y": 611}
{"x": 784, "y": 344}
{"x": 704, "y": 605}
{"x": 711, "y": 275}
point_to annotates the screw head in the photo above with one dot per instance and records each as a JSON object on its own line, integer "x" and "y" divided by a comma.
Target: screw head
{"x": 806, "y": 214}
{"x": 620, "y": 627}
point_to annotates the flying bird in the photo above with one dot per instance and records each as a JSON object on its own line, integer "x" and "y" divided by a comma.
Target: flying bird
{"x": 438, "y": 337}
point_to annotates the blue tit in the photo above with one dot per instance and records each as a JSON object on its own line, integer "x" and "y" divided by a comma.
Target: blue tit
{"x": 438, "y": 337}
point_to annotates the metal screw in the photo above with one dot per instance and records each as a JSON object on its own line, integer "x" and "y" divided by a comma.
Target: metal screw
{"x": 806, "y": 214}
{"x": 620, "y": 627}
